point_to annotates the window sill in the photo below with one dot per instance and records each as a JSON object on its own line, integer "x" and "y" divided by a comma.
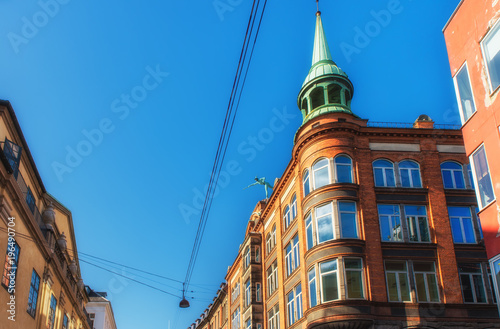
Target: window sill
{"x": 487, "y": 206}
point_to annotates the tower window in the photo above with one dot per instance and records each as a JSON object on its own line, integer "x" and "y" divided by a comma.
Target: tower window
{"x": 304, "y": 106}
{"x": 334, "y": 94}
{"x": 317, "y": 97}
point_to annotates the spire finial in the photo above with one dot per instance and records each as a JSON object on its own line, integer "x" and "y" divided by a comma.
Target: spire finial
{"x": 317, "y": 8}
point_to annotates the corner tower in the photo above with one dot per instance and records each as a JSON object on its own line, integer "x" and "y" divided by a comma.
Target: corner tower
{"x": 326, "y": 89}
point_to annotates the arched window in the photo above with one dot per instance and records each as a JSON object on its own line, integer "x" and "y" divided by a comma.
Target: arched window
{"x": 343, "y": 169}
{"x": 383, "y": 171}
{"x": 334, "y": 94}
{"x": 453, "y": 175}
{"x": 321, "y": 173}
{"x": 287, "y": 218}
{"x": 294, "y": 207}
{"x": 269, "y": 246}
{"x": 305, "y": 180}
{"x": 317, "y": 97}
{"x": 409, "y": 172}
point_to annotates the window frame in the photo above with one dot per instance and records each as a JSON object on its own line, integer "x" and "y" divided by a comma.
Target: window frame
{"x": 248, "y": 293}
{"x": 398, "y": 282}
{"x": 476, "y": 180}
{"x": 458, "y": 95}
{"x": 287, "y": 220}
{"x": 350, "y": 165}
{"x": 8, "y": 265}
{"x": 473, "y": 284}
{"x": 452, "y": 175}
{"x": 321, "y": 275}
{"x": 306, "y": 178}
{"x": 33, "y": 294}
{"x": 314, "y": 171}
{"x": 419, "y": 234}
{"x": 235, "y": 316}
{"x": 362, "y": 281}
{"x": 294, "y": 308}
{"x": 462, "y": 226}
{"x": 273, "y": 316}
{"x": 410, "y": 173}
{"x": 246, "y": 258}
{"x": 426, "y": 283}
{"x": 292, "y": 256}
{"x": 494, "y": 29}
{"x": 258, "y": 292}
{"x": 384, "y": 175}
{"x": 51, "y": 316}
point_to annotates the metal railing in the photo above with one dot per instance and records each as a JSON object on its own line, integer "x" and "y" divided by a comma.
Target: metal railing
{"x": 406, "y": 125}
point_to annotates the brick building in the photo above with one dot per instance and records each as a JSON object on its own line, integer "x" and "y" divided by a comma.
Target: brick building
{"x": 371, "y": 225}
{"x": 473, "y": 41}
{"x": 41, "y": 281}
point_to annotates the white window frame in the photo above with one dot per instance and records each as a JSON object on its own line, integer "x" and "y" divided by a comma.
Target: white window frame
{"x": 309, "y": 281}
{"x": 315, "y": 219}
{"x": 235, "y": 319}
{"x": 457, "y": 93}
{"x": 391, "y": 222}
{"x": 247, "y": 257}
{"x": 471, "y": 275}
{"x": 335, "y": 164}
{"x": 462, "y": 229}
{"x": 248, "y": 292}
{"x": 410, "y": 176}
{"x": 452, "y": 171}
{"x": 476, "y": 181}
{"x": 398, "y": 284}
{"x": 494, "y": 29}
{"x": 294, "y": 306}
{"x": 258, "y": 292}
{"x": 328, "y": 170}
{"x": 306, "y": 176}
{"x": 293, "y": 208}
{"x": 339, "y": 218}
{"x": 384, "y": 174}
{"x": 321, "y": 280}
{"x": 361, "y": 270}
{"x": 426, "y": 283}
{"x": 419, "y": 234}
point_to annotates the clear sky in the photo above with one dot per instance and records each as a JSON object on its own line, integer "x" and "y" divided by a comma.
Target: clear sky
{"x": 134, "y": 193}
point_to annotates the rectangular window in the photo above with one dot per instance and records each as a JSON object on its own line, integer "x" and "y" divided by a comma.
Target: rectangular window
{"x": 426, "y": 282}
{"x": 324, "y": 219}
{"x": 257, "y": 254}
{"x": 484, "y": 187}
{"x": 491, "y": 54}
{"x": 292, "y": 259}
{"x": 309, "y": 231}
{"x": 462, "y": 225}
{"x": 52, "y": 312}
{"x": 348, "y": 223}
{"x": 305, "y": 180}
{"x": 390, "y": 223}
{"x": 235, "y": 319}
{"x": 496, "y": 277}
{"x": 294, "y": 305}
{"x": 11, "y": 262}
{"x": 274, "y": 317}
{"x": 272, "y": 277}
{"x": 236, "y": 291}
{"x": 65, "y": 322}
{"x": 353, "y": 268}
{"x": 249, "y": 324}
{"x": 258, "y": 292}
{"x": 416, "y": 220}
{"x": 248, "y": 293}
{"x": 465, "y": 98}
{"x": 329, "y": 281}
{"x": 33, "y": 294}
{"x": 398, "y": 288}
{"x": 30, "y": 200}
{"x": 313, "y": 299}
{"x": 471, "y": 280}
{"x": 247, "y": 257}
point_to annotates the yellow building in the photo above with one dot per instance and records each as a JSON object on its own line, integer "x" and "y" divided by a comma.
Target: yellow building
{"x": 41, "y": 281}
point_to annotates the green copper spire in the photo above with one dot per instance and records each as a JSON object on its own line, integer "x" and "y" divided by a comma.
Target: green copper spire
{"x": 326, "y": 89}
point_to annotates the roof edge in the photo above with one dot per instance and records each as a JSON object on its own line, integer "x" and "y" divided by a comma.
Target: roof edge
{"x": 452, "y": 15}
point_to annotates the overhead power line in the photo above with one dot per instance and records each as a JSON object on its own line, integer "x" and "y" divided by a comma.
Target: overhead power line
{"x": 232, "y": 109}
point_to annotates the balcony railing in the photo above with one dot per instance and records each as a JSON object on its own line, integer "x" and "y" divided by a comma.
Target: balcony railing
{"x": 406, "y": 125}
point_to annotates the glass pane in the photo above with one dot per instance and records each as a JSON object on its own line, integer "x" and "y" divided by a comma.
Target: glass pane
{"x": 433, "y": 288}
{"x": 392, "y": 287}
{"x": 352, "y": 263}
{"x": 465, "y": 93}
{"x": 325, "y": 228}
{"x": 459, "y": 179}
{"x": 343, "y": 159}
{"x": 343, "y": 173}
{"x": 456, "y": 230}
{"x": 328, "y": 266}
{"x": 483, "y": 177}
{"x": 491, "y": 47}
{"x": 408, "y": 164}
{"x": 469, "y": 230}
{"x": 330, "y": 287}
{"x": 321, "y": 177}
{"x": 347, "y": 206}
{"x": 466, "y": 288}
{"x": 312, "y": 288}
{"x": 309, "y": 232}
{"x": 395, "y": 266}
{"x": 405, "y": 178}
{"x": 389, "y": 175}
{"x": 479, "y": 289}
{"x": 348, "y": 225}
{"x": 421, "y": 292}
{"x": 306, "y": 183}
{"x": 412, "y": 228}
{"x": 415, "y": 210}
{"x": 424, "y": 230}
{"x": 447, "y": 179}
{"x": 424, "y": 267}
{"x": 415, "y": 176}
{"x": 379, "y": 177}
{"x": 354, "y": 284}
{"x": 404, "y": 287}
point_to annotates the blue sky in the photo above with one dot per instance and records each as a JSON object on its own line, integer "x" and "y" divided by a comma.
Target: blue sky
{"x": 70, "y": 75}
